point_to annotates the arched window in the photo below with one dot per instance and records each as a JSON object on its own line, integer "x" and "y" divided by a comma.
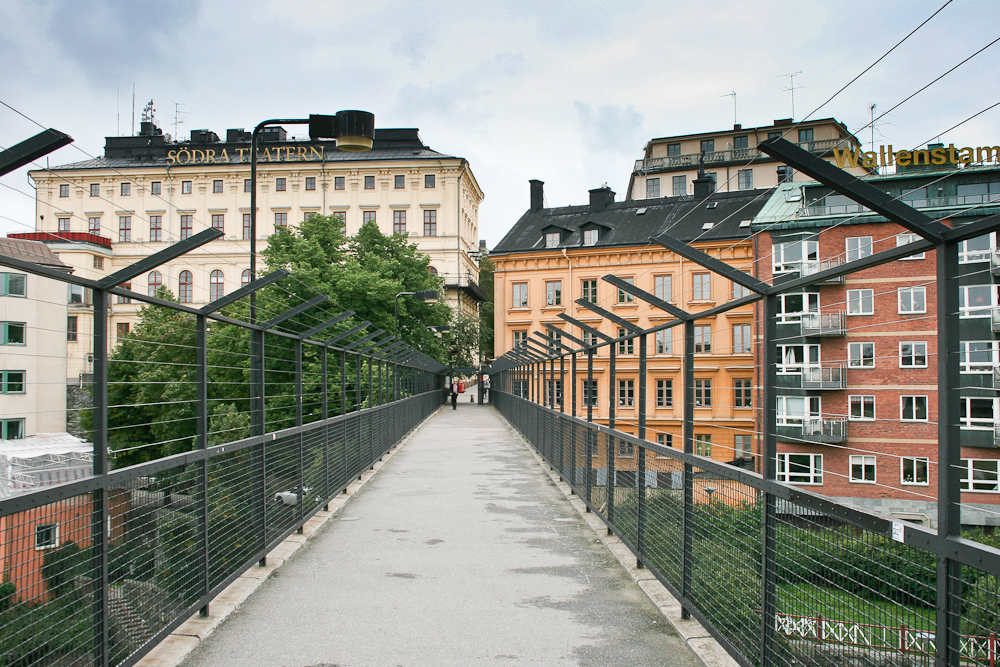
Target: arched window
{"x": 433, "y": 271}
{"x": 246, "y": 278}
{"x": 186, "y": 284}
{"x": 216, "y": 287}
{"x": 155, "y": 282}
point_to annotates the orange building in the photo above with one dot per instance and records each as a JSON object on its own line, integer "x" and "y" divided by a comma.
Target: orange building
{"x": 555, "y": 256}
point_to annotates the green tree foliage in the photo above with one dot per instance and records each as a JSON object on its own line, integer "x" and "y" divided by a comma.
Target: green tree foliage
{"x": 463, "y": 341}
{"x": 486, "y": 309}
{"x": 64, "y": 568}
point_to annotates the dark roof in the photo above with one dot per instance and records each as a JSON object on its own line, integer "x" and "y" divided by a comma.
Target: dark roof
{"x": 681, "y": 217}
{"x": 32, "y": 251}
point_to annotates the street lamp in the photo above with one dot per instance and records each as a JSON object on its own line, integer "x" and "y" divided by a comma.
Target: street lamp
{"x": 427, "y": 296}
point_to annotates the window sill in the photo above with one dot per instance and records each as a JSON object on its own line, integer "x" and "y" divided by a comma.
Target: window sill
{"x": 701, "y": 302}
{"x": 552, "y": 308}
{"x": 860, "y": 481}
{"x": 519, "y": 309}
{"x": 624, "y": 305}
{"x": 914, "y": 484}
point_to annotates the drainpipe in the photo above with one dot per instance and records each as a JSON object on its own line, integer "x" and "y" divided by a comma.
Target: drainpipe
{"x": 569, "y": 265}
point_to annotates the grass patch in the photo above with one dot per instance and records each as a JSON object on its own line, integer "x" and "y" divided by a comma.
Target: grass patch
{"x": 832, "y": 604}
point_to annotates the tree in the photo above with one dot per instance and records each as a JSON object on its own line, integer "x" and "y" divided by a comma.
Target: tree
{"x": 463, "y": 341}
{"x": 486, "y": 309}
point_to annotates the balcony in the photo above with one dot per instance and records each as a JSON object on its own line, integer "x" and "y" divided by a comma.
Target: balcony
{"x": 809, "y": 268}
{"x": 995, "y": 320}
{"x": 996, "y": 377}
{"x": 824, "y": 377}
{"x": 825, "y": 430}
{"x": 737, "y": 155}
{"x": 995, "y": 263}
{"x": 824, "y": 324}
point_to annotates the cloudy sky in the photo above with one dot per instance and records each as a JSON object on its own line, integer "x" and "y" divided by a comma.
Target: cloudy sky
{"x": 564, "y": 91}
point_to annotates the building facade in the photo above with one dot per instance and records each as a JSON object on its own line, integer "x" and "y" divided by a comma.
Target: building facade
{"x": 857, "y": 374}
{"x": 731, "y": 158}
{"x": 147, "y": 192}
{"x": 552, "y": 257}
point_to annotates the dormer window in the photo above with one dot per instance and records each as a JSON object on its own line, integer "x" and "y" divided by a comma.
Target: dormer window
{"x": 552, "y": 239}
{"x": 590, "y": 237}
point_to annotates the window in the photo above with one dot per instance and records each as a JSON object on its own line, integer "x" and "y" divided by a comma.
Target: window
{"x": 978, "y": 249}
{"x": 399, "y": 181}
{"x": 125, "y": 228}
{"x": 552, "y": 239}
{"x": 121, "y": 330}
{"x": 977, "y": 356}
{"x": 673, "y": 149}
{"x": 708, "y": 145}
{"x": 95, "y": 189}
{"x": 774, "y": 135}
{"x": 430, "y": 223}
{"x": 281, "y": 219}
{"x": 800, "y": 468}
{"x": 702, "y": 393}
{"x": 429, "y": 180}
{"x": 589, "y": 339}
{"x": 553, "y": 293}
{"x": 125, "y": 299}
{"x": 861, "y": 355}
{"x": 369, "y": 182}
{"x": 625, "y": 448}
{"x": 155, "y": 282}
{"x": 431, "y": 270}
{"x": 12, "y": 382}
{"x": 741, "y": 142}
{"x": 626, "y": 346}
{"x": 794, "y": 410}
{"x": 12, "y": 429}
{"x": 863, "y": 469}
{"x": 789, "y": 256}
{"x": 310, "y": 182}
{"x": 590, "y": 236}
{"x": 217, "y": 186}
{"x": 913, "y": 354}
{"x": 741, "y": 443}
{"x": 98, "y": 262}
{"x": 12, "y": 333}
{"x": 786, "y": 174}
{"x": 652, "y": 187}
{"x": 702, "y": 287}
{"x": 246, "y": 278}
{"x": 623, "y": 296}
{"x": 663, "y": 287}
{"x": 914, "y": 470}
{"x": 913, "y": 408}
{"x": 806, "y": 135}
{"x": 976, "y": 300}
{"x": 399, "y": 222}
{"x": 549, "y": 398}
{"x": 980, "y": 475}
{"x": 280, "y": 185}
{"x": 218, "y": 221}
{"x": 520, "y": 338}
{"x": 77, "y": 294}
{"x": 679, "y": 186}
{"x": 63, "y": 224}
{"x": 13, "y": 284}
{"x": 860, "y": 302}
{"x": 703, "y": 445}
{"x": 665, "y": 439}
{"x": 743, "y": 393}
{"x": 247, "y": 185}
{"x": 589, "y": 290}
{"x": 338, "y": 182}
{"x": 912, "y": 300}
{"x": 94, "y": 224}
{"x": 741, "y": 339}
{"x": 185, "y": 187}
{"x": 904, "y": 239}
{"x": 187, "y": 223}
{"x": 64, "y": 190}
{"x": 858, "y": 247}
{"x": 246, "y": 226}
{"x": 664, "y": 342}
{"x": 862, "y": 408}
{"x": 744, "y": 179}
{"x": 126, "y": 189}
{"x": 47, "y": 536}
{"x": 155, "y": 227}
{"x": 664, "y": 393}
{"x": 792, "y": 358}
{"x": 520, "y": 292}
{"x": 739, "y": 291}
{"x": 71, "y": 328}
{"x": 626, "y": 393}
{"x": 553, "y": 341}
{"x": 155, "y": 188}
{"x": 703, "y": 338}
{"x": 590, "y": 393}
{"x": 186, "y": 287}
{"x": 217, "y": 287}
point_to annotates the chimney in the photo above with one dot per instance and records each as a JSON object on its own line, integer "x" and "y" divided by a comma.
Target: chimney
{"x": 737, "y": 127}
{"x": 601, "y": 198}
{"x": 704, "y": 185}
{"x": 537, "y": 194}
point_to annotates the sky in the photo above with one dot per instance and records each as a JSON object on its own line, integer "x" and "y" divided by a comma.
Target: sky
{"x": 568, "y": 92}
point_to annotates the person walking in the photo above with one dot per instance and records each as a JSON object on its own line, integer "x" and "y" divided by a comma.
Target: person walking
{"x": 454, "y": 395}
{"x": 486, "y": 390}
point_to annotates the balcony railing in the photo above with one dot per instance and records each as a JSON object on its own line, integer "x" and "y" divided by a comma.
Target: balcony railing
{"x": 824, "y": 377}
{"x": 730, "y": 155}
{"x": 995, "y": 263}
{"x": 996, "y": 377}
{"x": 824, "y": 324}
{"x": 995, "y": 320}
{"x": 809, "y": 268}
{"x": 828, "y": 430}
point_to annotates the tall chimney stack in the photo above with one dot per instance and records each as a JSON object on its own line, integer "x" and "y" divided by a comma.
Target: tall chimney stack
{"x": 537, "y": 195}
{"x": 601, "y": 198}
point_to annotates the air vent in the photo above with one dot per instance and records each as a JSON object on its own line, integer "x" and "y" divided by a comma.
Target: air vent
{"x": 640, "y": 211}
{"x": 708, "y": 225}
{"x": 745, "y": 223}
{"x": 794, "y": 198}
{"x": 712, "y": 204}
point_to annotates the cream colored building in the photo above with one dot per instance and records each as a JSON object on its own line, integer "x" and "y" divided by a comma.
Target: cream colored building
{"x": 33, "y": 324}
{"x": 670, "y": 165}
{"x": 147, "y": 192}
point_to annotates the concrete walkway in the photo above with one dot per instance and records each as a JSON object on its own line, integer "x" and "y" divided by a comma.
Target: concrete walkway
{"x": 460, "y": 551}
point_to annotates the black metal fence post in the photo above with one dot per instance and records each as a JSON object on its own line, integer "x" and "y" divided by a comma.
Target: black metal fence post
{"x": 640, "y": 474}
{"x": 299, "y": 506}
{"x": 687, "y": 429}
{"x": 591, "y": 437}
{"x": 769, "y": 462}
{"x": 201, "y": 430}
{"x": 99, "y": 521}
{"x": 609, "y": 482}
{"x": 259, "y": 427}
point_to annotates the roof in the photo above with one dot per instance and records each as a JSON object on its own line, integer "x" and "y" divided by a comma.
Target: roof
{"x": 32, "y": 251}
{"x": 777, "y": 125}
{"x": 45, "y": 444}
{"x": 683, "y": 218}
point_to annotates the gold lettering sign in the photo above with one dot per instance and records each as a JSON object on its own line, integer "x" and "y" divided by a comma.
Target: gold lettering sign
{"x": 268, "y": 154}
{"x": 852, "y": 157}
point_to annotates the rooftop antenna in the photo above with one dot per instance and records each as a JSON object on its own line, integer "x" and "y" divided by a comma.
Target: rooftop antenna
{"x": 733, "y": 95}
{"x": 791, "y": 87}
{"x": 118, "y": 122}
{"x": 177, "y": 117}
{"x": 133, "y": 108}
{"x": 148, "y": 112}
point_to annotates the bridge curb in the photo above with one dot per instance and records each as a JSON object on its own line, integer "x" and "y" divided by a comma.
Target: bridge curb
{"x": 173, "y": 650}
{"x": 698, "y": 639}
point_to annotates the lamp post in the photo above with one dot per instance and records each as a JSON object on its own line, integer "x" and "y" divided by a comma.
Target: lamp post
{"x": 427, "y": 296}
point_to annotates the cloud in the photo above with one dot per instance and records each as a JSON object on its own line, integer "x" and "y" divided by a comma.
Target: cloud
{"x": 610, "y": 129}
{"x": 413, "y": 46}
